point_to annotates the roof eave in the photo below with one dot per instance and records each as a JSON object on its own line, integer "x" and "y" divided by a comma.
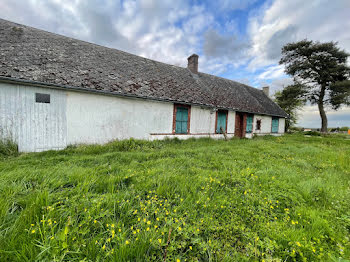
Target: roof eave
{"x": 12, "y": 80}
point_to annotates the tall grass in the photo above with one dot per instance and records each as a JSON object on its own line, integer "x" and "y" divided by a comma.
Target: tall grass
{"x": 269, "y": 198}
{"x": 8, "y": 148}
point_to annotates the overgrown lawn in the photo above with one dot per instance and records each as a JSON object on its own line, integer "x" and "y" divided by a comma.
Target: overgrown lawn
{"x": 272, "y": 199}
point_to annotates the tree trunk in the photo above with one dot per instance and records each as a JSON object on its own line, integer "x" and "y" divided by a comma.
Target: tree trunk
{"x": 323, "y": 115}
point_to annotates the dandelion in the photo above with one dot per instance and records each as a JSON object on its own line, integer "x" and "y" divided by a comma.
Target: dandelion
{"x": 160, "y": 241}
{"x": 157, "y": 218}
{"x": 120, "y": 230}
{"x": 148, "y": 222}
{"x": 52, "y": 238}
{"x": 178, "y": 260}
{"x": 32, "y": 225}
{"x": 299, "y": 245}
{"x": 33, "y": 231}
{"x": 191, "y": 247}
{"x": 127, "y": 242}
{"x": 104, "y": 247}
{"x": 95, "y": 221}
{"x": 180, "y": 228}
{"x": 147, "y": 229}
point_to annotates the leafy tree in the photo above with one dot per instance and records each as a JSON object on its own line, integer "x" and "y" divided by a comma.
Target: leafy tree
{"x": 321, "y": 68}
{"x": 290, "y": 99}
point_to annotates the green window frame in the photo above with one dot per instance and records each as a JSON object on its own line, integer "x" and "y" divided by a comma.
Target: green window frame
{"x": 249, "y": 128}
{"x": 274, "y": 125}
{"x": 181, "y": 119}
{"x": 221, "y": 121}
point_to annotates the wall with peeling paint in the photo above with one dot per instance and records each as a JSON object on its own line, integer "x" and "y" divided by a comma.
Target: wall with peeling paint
{"x": 98, "y": 119}
{"x": 87, "y": 118}
{"x": 33, "y": 126}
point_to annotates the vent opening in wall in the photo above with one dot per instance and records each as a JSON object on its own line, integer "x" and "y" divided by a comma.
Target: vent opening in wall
{"x": 258, "y": 124}
{"x": 42, "y": 98}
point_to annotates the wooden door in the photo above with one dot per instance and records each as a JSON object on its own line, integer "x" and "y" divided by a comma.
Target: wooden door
{"x": 239, "y": 124}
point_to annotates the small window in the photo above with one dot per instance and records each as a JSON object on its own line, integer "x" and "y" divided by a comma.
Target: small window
{"x": 182, "y": 119}
{"x": 249, "y": 127}
{"x": 274, "y": 127}
{"x": 221, "y": 122}
{"x": 42, "y": 98}
{"x": 258, "y": 124}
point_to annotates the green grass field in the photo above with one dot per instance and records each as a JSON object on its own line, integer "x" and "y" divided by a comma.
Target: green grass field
{"x": 264, "y": 199}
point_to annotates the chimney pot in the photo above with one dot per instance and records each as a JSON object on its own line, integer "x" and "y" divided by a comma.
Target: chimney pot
{"x": 266, "y": 90}
{"x": 193, "y": 63}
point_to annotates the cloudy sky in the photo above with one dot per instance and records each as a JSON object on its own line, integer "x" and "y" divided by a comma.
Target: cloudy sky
{"x": 235, "y": 39}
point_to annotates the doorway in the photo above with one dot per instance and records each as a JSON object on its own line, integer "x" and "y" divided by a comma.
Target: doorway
{"x": 239, "y": 125}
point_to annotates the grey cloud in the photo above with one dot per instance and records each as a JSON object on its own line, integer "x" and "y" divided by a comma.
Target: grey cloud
{"x": 309, "y": 117}
{"x": 278, "y": 40}
{"x": 216, "y": 45}
{"x": 100, "y": 24}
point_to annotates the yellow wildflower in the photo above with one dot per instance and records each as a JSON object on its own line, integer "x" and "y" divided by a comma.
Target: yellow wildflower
{"x": 127, "y": 242}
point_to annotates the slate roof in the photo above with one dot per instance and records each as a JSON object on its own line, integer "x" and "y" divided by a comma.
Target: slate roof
{"x": 36, "y": 55}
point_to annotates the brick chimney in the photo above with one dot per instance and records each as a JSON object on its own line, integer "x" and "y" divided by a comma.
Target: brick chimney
{"x": 266, "y": 90}
{"x": 193, "y": 63}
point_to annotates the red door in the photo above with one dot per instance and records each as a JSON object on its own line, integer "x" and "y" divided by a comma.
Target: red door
{"x": 240, "y": 124}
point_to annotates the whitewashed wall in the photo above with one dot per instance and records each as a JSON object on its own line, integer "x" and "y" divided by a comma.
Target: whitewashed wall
{"x": 34, "y": 126}
{"x": 231, "y": 122}
{"x": 281, "y": 126}
{"x": 202, "y": 120}
{"x": 266, "y": 122}
{"x": 93, "y": 118}
{"x": 76, "y": 118}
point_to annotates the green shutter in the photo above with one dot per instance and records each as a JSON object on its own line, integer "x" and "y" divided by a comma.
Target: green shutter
{"x": 181, "y": 120}
{"x": 249, "y": 127}
{"x": 221, "y": 122}
{"x": 274, "y": 128}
